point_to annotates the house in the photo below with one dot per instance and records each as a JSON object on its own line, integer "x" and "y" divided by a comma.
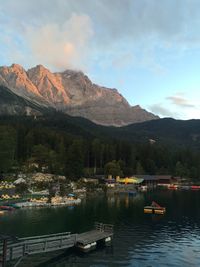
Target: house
{"x": 166, "y": 180}
{"x": 154, "y": 180}
{"x": 148, "y": 180}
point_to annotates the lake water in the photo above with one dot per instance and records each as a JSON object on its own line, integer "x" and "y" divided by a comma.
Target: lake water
{"x": 139, "y": 239}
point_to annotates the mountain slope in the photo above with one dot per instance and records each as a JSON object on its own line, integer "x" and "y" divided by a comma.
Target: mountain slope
{"x": 12, "y": 104}
{"x": 163, "y": 131}
{"x": 180, "y": 132}
{"x": 73, "y": 93}
{"x": 170, "y": 132}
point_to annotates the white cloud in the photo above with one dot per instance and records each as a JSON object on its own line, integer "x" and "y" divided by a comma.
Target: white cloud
{"x": 102, "y": 23}
{"x": 160, "y": 110}
{"x": 177, "y": 106}
{"x": 180, "y": 101}
{"x": 61, "y": 46}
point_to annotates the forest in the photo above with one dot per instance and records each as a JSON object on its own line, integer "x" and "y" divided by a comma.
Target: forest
{"x": 76, "y": 147}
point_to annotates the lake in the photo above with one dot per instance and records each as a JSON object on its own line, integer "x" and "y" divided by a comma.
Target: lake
{"x": 140, "y": 239}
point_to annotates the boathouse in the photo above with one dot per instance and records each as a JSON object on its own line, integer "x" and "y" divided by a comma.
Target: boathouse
{"x": 148, "y": 180}
{"x": 166, "y": 180}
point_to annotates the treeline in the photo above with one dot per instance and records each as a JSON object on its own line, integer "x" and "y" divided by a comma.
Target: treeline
{"x": 34, "y": 144}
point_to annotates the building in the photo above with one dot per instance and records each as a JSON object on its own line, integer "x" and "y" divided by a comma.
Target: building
{"x": 148, "y": 180}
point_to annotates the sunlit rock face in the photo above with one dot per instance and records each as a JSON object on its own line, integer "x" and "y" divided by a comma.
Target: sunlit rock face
{"x": 73, "y": 93}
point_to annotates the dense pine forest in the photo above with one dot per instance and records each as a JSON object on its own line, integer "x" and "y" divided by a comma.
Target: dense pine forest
{"x": 76, "y": 147}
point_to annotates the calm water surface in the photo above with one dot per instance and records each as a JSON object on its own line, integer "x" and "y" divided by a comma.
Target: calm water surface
{"x": 139, "y": 239}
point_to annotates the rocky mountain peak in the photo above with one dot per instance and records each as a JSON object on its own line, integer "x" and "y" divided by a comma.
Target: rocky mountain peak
{"x": 49, "y": 85}
{"x": 13, "y": 69}
{"x": 39, "y": 70}
{"x": 73, "y": 93}
{"x": 17, "y": 67}
{"x": 137, "y": 107}
{"x": 15, "y": 77}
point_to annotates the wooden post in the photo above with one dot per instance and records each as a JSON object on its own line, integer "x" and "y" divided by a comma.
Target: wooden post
{"x": 4, "y": 252}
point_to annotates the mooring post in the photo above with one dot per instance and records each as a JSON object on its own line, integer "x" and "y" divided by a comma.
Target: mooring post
{"x": 5, "y": 239}
{"x": 4, "y": 252}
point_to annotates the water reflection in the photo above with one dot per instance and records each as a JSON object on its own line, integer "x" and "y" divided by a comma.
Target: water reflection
{"x": 140, "y": 239}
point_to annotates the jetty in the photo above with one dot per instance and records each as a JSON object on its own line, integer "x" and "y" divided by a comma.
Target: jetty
{"x": 15, "y": 249}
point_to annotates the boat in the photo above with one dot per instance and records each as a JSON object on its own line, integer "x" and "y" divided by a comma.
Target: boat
{"x": 154, "y": 208}
{"x": 9, "y": 208}
{"x": 173, "y": 187}
{"x": 143, "y": 188}
{"x": 195, "y": 187}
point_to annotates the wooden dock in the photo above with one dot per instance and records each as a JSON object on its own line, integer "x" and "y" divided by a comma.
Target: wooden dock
{"x": 18, "y": 248}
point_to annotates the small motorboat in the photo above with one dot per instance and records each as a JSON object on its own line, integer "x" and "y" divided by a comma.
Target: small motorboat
{"x": 9, "y": 208}
{"x": 154, "y": 208}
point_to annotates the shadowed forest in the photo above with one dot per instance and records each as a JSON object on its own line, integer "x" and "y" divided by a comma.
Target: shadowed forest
{"x": 76, "y": 147}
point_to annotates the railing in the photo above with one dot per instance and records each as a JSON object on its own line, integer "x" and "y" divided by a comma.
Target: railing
{"x": 103, "y": 227}
{"x": 39, "y": 244}
{"x": 44, "y": 236}
{"x": 16, "y": 248}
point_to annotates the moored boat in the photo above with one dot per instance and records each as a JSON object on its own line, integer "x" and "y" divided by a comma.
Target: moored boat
{"x": 154, "y": 208}
{"x": 9, "y": 208}
{"x": 195, "y": 187}
{"x": 173, "y": 187}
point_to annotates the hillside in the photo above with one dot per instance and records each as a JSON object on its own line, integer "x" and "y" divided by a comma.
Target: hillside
{"x": 74, "y": 146}
{"x": 13, "y": 104}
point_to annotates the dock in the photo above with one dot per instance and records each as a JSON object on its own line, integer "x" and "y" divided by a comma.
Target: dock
{"x": 15, "y": 249}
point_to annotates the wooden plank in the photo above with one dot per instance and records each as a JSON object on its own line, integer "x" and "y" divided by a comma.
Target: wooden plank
{"x": 92, "y": 236}
{"x": 40, "y": 245}
{"x": 44, "y": 236}
{"x": 46, "y": 243}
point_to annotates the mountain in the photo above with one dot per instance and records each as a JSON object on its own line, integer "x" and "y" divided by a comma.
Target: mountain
{"x": 13, "y": 104}
{"x": 73, "y": 93}
{"x": 170, "y": 132}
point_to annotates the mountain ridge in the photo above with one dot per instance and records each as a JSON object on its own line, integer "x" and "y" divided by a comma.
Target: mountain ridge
{"x": 73, "y": 93}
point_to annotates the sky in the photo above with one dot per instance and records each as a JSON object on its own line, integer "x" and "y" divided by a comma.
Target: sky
{"x": 149, "y": 50}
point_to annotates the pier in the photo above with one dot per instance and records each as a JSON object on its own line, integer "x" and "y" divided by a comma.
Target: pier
{"x": 13, "y": 248}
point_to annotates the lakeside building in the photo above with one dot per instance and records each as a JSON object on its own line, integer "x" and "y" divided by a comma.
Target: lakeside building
{"x": 149, "y": 181}
{"x": 154, "y": 180}
{"x": 166, "y": 180}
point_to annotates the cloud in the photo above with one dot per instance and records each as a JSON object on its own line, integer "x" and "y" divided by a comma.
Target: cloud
{"x": 61, "y": 46}
{"x": 180, "y": 101}
{"x": 178, "y": 106}
{"x": 123, "y": 60}
{"x": 158, "y": 109}
{"x": 79, "y": 31}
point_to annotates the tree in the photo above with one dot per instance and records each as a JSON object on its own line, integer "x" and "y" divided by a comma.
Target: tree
{"x": 180, "y": 170}
{"x": 139, "y": 168}
{"x": 150, "y": 166}
{"x": 75, "y": 160}
{"x": 45, "y": 157}
{"x": 7, "y": 148}
{"x": 96, "y": 149}
{"x": 113, "y": 168}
